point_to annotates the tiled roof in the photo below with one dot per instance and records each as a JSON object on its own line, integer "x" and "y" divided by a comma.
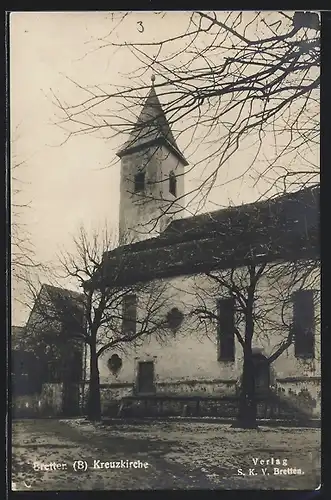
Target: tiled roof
{"x": 54, "y": 303}
{"x": 284, "y": 227}
{"x": 289, "y": 207}
{"x": 299, "y": 210}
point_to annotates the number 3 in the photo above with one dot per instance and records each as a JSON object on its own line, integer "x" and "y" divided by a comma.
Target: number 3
{"x": 141, "y": 26}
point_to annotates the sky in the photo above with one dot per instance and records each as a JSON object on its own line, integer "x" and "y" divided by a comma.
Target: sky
{"x": 71, "y": 183}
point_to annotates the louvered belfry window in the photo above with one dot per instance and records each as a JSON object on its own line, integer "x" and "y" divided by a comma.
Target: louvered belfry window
{"x": 172, "y": 184}
{"x": 139, "y": 182}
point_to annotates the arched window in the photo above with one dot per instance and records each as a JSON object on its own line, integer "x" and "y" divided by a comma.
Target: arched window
{"x": 129, "y": 314}
{"x": 225, "y": 327}
{"x": 304, "y": 324}
{"x": 172, "y": 183}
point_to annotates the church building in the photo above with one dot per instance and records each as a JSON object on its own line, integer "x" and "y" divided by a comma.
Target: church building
{"x": 208, "y": 263}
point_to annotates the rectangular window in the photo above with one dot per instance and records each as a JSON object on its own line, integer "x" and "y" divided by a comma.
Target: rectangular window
{"x": 225, "y": 329}
{"x": 129, "y": 314}
{"x": 304, "y": 324}
{"x": 139, "y": 182}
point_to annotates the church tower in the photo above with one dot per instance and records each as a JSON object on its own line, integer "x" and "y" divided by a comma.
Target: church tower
{"x": 152, "y": 175}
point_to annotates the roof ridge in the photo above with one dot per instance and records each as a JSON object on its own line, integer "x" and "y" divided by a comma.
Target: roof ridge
{"x": 61, "y": 289}
{"x": 280, "y": 198}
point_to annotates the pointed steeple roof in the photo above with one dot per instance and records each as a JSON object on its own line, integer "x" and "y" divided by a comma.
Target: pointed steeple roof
{"x": 151, "y": 127}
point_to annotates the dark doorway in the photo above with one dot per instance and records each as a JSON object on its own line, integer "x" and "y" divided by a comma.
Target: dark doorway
{"x": 146, "y": 377}
{"x": 70, "y": 399}
{"x": 262, "y": 374}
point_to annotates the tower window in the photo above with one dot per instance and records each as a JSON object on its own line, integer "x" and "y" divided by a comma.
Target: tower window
{"x": 172, "y": 184}
{"x": 139, "y": 182}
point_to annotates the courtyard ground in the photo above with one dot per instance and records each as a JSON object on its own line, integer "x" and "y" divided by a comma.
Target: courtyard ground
{"x": 180, "y": 455}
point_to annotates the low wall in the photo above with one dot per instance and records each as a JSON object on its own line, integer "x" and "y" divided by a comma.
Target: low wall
{"x": 303, "y": 393}
{"x": 216, "y": 387}
{"x": 111, "y": 394}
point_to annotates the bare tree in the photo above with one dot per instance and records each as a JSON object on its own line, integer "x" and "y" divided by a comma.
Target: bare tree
{"x": 227, "y": 80}
{"x": 257, "y": 254}
{"x": 96, "y": 317}
{"x": 261, "y": 292}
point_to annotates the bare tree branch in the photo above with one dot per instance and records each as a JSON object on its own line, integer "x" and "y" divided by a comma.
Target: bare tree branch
{"x": 227, "y": 79}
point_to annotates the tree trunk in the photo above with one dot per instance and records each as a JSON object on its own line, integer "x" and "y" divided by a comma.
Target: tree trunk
{"x": 94, "y": 399}
{"x": 247, "y": 414}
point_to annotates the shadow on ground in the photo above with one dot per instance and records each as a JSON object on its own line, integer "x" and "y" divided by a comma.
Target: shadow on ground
{"x": 185, "y": 455}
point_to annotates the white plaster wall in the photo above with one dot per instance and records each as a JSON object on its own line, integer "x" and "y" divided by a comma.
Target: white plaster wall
{"x": 191, "y": 354}
{"x": 139, "y": 215}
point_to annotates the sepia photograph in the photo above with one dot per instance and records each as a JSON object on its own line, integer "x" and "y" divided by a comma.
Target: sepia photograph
{"x": 165, "y": 328}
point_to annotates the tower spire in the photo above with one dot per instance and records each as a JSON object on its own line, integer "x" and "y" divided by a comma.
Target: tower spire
{"x": 150, "y": 165}
{"x": 151, "y": 127}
